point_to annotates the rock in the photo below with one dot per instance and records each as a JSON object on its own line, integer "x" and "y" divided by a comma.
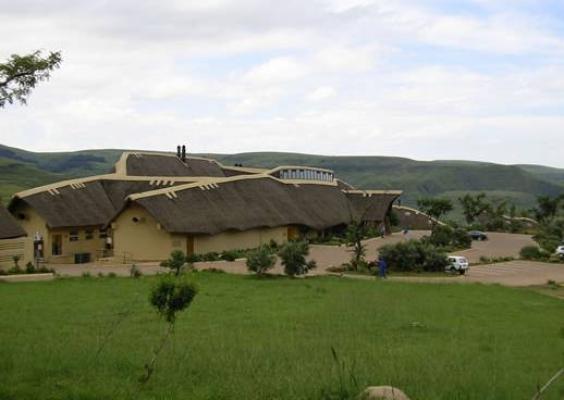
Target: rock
{"x": 383, "y": 393}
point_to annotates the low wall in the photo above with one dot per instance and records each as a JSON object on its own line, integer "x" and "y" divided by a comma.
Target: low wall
{"x": 27, "y": 277}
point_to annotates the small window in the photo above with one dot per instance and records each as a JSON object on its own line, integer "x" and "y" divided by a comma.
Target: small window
{"x": 103, "y": 233}
{"x": 89, "y": 234}
{"x": 73, "y": 236}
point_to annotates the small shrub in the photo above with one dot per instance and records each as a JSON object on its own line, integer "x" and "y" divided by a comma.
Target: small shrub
{"x": 533, "y": 253}
{"x": 261, "y": 260}
{"x": 135, "y": 272}
{"x": 211, "y": 256}
{"x": 193, "y": 258}
{"x": 100, "y": 274}
{"x": 461, "y": 239}
{"x": 112, "y": 275}
{"x": 86, "y": 274}
{"x": 175, "y": 262}
{"x": 293, "y": 255}
{"x": 30, "y": 268}
{"x": 171, "y": 295}
{"x": 441, "y": 235}
{"x": 232, "y": 255}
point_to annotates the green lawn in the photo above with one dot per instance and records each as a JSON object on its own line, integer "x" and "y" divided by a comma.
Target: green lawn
{"x": 245, "y": 338}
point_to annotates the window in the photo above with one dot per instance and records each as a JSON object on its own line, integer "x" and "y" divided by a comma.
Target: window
{"x": 73, "y": 236}
{"x": 89, "y": 234}
{"x": 103, "y": 233}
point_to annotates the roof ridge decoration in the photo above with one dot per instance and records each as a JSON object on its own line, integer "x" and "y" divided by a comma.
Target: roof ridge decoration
{"x": 208, "y": 183}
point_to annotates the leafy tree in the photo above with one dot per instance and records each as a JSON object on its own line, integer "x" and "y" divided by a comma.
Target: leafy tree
{"x": 435, "y": 207}
{"x": 473, "y": 206}
{"x": 356, "y": 231}
{"x": 175, "y": 262}
{"x": 293, "y": 255}
{"x": 547, "y": 207}
{"x": 414, "y": 255}
{"x": 20, "y": 74}
{"x": 261, "y": 260}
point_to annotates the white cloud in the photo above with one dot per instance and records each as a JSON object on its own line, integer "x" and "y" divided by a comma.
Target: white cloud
{"x": 321, "y": 93}
{"x": 240, "y": 76}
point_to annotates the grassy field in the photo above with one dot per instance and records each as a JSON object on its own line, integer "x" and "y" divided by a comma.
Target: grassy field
{"x": 245, "y": 338}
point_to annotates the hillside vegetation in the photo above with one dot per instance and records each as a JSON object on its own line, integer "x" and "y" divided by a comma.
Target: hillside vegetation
{"x": 21, "y": 169}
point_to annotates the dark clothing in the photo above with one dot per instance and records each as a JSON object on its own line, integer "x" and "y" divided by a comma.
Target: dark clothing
{"x": 382, "y": 268}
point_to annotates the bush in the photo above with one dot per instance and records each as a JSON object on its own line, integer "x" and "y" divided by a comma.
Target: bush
{"x": 293, "y": 255}
{"x": 414, "y": 255}
{"x": 135, "y": 272}
{"x": 211, "y": 256}
{"x": 171, "y": 295}
{"x": 30, "y": 268}
{"x": 175, "y": 262}
{"x": 445, "y": 236}
{"x": 533, "y": 253}
{"x": 232, "y": 255}
{"x": 261, "y": 260}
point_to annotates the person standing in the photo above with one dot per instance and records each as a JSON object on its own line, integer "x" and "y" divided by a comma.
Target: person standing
{"x": 382, "y": 267}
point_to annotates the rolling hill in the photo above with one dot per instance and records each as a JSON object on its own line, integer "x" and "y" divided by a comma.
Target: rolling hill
{"x": 20, "y": 169}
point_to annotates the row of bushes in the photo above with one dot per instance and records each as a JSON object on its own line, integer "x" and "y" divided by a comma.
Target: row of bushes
{"x": 227, "y": 255}
{"x": 29, "y": 269}
{"x": 535, "y": 253}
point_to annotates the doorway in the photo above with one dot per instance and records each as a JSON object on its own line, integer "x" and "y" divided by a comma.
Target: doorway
{"x": 57, "y": 245}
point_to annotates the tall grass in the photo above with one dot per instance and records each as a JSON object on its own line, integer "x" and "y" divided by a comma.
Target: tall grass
{"x": 245, "y": 338}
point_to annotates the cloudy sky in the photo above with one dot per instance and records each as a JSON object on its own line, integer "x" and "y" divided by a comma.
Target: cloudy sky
{"x": 426, "y": 79}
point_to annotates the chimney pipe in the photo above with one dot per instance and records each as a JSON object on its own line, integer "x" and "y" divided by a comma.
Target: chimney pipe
{"x": 178, "y": 151}
{"x": 183, "y": 153}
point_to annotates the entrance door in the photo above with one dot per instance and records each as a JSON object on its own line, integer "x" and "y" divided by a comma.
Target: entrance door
{"x": 190, "y": 245}
{"x": 57, "y": 245}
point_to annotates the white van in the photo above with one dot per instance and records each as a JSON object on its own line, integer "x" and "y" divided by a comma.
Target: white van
{"x": 457, "y": 264}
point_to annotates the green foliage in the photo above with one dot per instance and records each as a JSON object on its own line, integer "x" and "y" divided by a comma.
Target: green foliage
{"x": 293, "y": 256}
{"x": 547, "y": 207}
{"x": 550, "y": 234}
{"x": 175, "y": 262}
{"x": 20, "y": 74}
{"x": 455, "y": 238}
{"x": 394, "y": 219}
{"x": 356, "y": 231}
{"x": 473, "y": 206}
{"x": 16, "y": 259}
{"x": 261, "y": 260}
{"x": 414, "y": 256}
{"x": 171, "y": 294}
{"x": 30, "y": 268}
{"x": 533, "y": 253}
{"x": 435, "y": 207}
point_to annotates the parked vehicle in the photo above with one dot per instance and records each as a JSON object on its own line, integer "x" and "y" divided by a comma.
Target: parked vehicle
{"x": 560, "y": 251}
{"x": 457, "y": 264}
{"x": 478, "y": 235}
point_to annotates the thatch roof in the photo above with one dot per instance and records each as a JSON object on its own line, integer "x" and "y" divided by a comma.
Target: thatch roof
{"x": 371, "y": 205}
{"x": 202, "y": 196}
{"x": 88, "y": 202}
{"x": 254, "y": 202}
{"x": 156, "y": 165}
{"x": 9, "y": 227}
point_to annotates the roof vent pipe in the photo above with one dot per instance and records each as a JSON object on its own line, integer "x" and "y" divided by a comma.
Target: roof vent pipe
{"x": 183, "y": 153}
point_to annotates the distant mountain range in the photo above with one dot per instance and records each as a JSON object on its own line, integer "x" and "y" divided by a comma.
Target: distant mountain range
{"x": 520, "y": 184}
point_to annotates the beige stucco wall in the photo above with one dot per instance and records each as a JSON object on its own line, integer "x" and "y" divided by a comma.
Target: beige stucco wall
{"x": 239, "y": 240}
{"x": 33, "y": 223}
{"x": 9, "y": 248}
{"x": 143, "y": 240}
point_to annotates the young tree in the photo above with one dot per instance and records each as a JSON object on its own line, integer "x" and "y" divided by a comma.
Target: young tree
{"x": 169, "y": 296}
{"x": 293, "y": 255}
{"x": 261, "y": 260}
{"x": 435, "y": 207}
{"x": 473, "y": 206}
{"x": 356, "y": 231}
{"x": 20, "y": 74}
{"x": 175, "y": 262}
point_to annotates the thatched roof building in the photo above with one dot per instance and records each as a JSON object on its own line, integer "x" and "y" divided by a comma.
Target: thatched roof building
{"x": 150, "y": 194}
{"x": 9, "y": 227}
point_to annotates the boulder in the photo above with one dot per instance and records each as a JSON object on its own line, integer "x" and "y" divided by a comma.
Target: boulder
{"x": 383, "y": 393}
